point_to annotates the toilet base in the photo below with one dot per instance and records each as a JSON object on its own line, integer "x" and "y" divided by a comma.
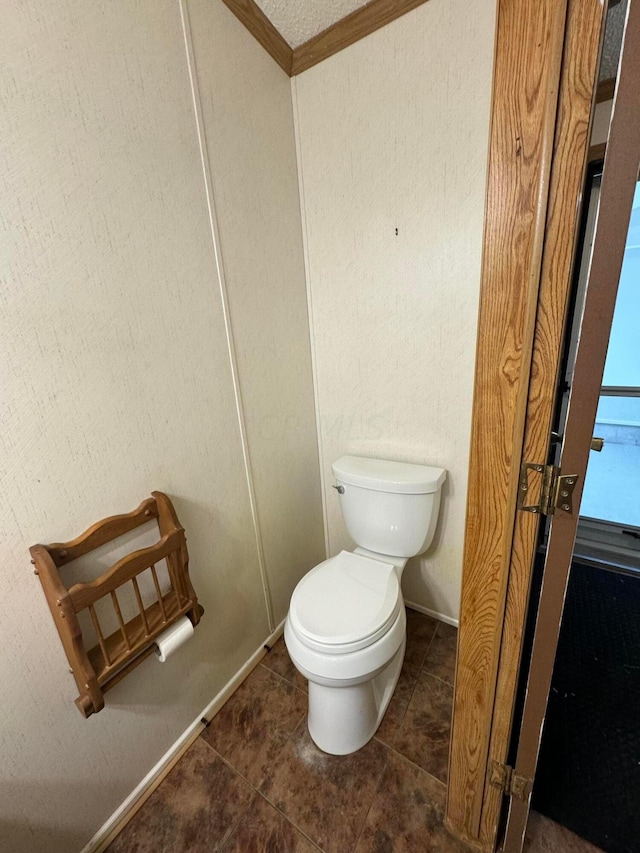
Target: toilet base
{"x": 341, "y": 720}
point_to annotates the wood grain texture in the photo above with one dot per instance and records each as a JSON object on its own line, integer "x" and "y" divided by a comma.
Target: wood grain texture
{"x": 261, "y": 28}
{"x": 526, "y": 76}
{"x": 103, "y": 531}
{"x": 120, "y": 650}
{"x": 141, "y": 634}
{"x": 351, "y": 29}
{"x": 615, "y": 203}
{"x": 84, "y": 594}
{"x": 90, "y": 699}
{"x": 585, "y": 24}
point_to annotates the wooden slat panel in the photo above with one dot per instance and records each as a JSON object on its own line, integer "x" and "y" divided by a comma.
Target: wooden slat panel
{"x": 102, "y": 532}
{"x": 158, "y": 592}
{"x": 529, "y": 43}
{"x": 123, "y": 627}
{"x": 84, "y": 594}
{"x": 136, "y": 590}
{"x": 64, "y": 604}
{"x": 359, "y": 24}
{"x": 116, "y": 648}
{"x": 127, "y": 668}
{"x": 178, "y": 563}
{"x": 261, "y": 28}
{"x": 585, "y": 24}
{"x": 98, "y": 629}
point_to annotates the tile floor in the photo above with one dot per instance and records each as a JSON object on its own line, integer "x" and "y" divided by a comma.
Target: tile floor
{"x": 254, "y": 780}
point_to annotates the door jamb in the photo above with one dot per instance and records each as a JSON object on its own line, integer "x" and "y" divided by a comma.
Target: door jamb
{"x": 526, "y": 119}
{"x": 617, "y": 189}
{"x": 585, "y": 27}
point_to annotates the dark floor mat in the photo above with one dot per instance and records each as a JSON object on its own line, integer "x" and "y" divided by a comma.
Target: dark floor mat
{"x": 588, "y": 776}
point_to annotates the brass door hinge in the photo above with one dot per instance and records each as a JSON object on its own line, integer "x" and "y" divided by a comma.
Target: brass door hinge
{"x": 511, "y": 784}
{"x": 555, "y": 490}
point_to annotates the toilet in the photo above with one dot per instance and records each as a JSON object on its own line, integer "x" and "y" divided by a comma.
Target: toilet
{"x": 346, "y": 627}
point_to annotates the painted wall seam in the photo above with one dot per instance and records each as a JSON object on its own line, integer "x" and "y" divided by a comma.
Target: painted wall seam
{"x": 220, "y": 271}
{"x": 307, "y": 275}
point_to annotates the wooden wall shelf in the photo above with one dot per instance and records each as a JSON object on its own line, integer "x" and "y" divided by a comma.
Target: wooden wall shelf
{"x": 100, "y": 667}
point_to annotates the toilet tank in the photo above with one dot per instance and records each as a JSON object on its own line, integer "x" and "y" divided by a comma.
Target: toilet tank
{"x": 389, "y": 507}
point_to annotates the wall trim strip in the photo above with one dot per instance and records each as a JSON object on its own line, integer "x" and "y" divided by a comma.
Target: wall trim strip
{"x": 527, "y": 67}
{"x": 141, "y": 793}
{"x": 261, "y": 28}
{"x": 357, "y": 25}
{"x": 585, "y": 21}
{"x": 307, "y": 273}
{"x": 224, "y": 298}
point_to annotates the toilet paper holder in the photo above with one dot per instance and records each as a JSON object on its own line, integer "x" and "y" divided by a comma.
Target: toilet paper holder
{"x": 99, "y": 668}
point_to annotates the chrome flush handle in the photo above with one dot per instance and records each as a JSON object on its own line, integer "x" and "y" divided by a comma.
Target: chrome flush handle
{"x": 339, "y": 489}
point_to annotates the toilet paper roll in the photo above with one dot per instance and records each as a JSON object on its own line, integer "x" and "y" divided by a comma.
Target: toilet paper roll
{"x": 174, "y": 637}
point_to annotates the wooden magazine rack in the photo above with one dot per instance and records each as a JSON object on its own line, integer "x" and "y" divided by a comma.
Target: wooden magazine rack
{"x": 98, "y": 669}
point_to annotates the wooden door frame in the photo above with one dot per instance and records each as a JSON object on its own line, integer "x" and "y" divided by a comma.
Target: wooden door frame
{"x": 545, "y": 80}
{"x": 619, "y": 178}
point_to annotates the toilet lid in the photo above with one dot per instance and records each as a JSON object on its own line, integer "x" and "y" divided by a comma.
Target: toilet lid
{"x": 347, "y": 600}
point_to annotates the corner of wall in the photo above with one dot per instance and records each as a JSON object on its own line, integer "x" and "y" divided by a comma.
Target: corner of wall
{"x": 222, "y": 284}
{"x": 307, "y": 273}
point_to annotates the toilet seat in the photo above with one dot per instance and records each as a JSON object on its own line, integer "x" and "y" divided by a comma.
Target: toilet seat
{"x": 345, "y": 603}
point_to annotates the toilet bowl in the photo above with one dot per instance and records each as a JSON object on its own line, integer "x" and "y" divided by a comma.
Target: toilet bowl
{"x": 346, "y": 626}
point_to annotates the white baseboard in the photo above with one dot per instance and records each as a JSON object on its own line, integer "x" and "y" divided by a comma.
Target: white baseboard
{"x": 107, "y": 832}
{"x": 441, "y": 617}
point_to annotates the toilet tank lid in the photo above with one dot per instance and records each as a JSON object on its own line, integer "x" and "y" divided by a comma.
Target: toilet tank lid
{"x": 383, "y": 475}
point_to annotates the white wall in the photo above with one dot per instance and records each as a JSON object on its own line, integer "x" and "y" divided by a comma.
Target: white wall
{"x": 393, "y": 136}
{"x": 116, "y": 377}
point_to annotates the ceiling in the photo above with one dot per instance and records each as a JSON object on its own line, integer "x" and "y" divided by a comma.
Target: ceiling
{"x": 299, "y": 20}
{"x": 612, "y": 40}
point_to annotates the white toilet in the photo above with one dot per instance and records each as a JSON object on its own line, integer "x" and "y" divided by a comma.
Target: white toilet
{"x": 346, "y": 627}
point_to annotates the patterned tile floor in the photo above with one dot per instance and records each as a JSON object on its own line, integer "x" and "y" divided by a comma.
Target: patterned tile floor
{"x": 254, "y": 782}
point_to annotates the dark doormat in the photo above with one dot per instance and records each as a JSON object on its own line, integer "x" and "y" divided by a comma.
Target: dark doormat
{"x": 588, "y": 776}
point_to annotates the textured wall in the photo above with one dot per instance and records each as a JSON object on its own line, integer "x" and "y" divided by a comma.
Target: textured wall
{"x": 116, "y": 379}
{"x": 616, "y": 17}
{"x": 298, "y": 22}
{"x": 393, "y": 135}
{"x": 251, "y": 146}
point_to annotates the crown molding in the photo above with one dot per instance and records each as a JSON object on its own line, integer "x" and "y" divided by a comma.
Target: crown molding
{"x": 251, "y": 15}
{"x": 357, "y": 25}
